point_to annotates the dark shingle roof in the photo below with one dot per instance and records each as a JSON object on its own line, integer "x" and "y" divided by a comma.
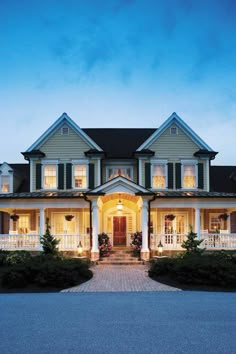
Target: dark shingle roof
{"x": 119, "y": 142}
{"x": 22, "y": 171}
{"x": 223, "y": 179}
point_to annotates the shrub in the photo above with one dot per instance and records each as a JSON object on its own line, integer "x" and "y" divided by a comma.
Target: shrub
{"x": 3, "y": 256}
{"x": 47, "y": 271}
{"x": 213, "y": 270}
{"x": 48, "y": 241}
{"x": 191, "y": 244}
{"x": 105, "y": 246}
{"x": 17, "y": 257}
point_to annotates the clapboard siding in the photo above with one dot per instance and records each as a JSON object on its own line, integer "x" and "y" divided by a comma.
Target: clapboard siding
{"x": 174, "y": 147}
{"x": 65, "y": 147}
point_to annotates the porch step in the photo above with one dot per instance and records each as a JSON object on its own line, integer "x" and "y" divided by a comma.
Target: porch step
{"x": 120, "y": 256}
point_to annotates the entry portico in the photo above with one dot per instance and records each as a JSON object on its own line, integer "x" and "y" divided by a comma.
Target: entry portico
{"x": 119, "y": 208}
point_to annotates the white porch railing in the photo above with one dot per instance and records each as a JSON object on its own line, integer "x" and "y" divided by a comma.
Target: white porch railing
{"x": 210, "y": 241}
{"x": 32, "y": 242}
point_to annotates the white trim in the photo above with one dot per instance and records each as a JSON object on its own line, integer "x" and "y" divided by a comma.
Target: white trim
{"x": 49, "y": 162}
{"x": 174, "y": 118}
{"x": 140, "y": 174}
{"x": 57, "y": 124}
{"x": 98, "y": 172}
{"x": 62, "y": 130}
{"x": 177, "y": 131}
{"x": 119, "y": 184}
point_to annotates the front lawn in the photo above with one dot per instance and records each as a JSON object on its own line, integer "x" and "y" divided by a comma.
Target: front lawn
{"x": 207, "y": 271}
{"x": 22, "y": 272}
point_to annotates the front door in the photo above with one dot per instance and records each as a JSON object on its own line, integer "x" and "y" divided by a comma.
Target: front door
{"x": 119, "y": 230}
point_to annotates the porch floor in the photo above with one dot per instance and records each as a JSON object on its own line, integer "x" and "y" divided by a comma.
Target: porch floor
{"x": 111, "y": 278}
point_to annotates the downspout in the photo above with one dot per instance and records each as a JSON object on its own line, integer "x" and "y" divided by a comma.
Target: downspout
{"x": 90, "y": 217}
{"x": 149, "y": 217}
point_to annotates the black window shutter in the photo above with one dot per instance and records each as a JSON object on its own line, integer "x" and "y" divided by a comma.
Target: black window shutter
{"x": 147, "y": 175}
{"x": 68, "y": 176}
{"x": 170, "y": 176}
{"x": 200, "y": 176}
{"x": 61, "y": 176}
{"x": 91, "y": 176}
{"x": 178, "y": 175}
{"x": 38, "y": 176}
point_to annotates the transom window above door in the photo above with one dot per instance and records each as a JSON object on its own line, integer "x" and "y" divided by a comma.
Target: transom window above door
{"x": 113, "y": 172}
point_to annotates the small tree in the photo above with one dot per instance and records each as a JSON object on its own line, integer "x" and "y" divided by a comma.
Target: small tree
{"x": 48, "y": 241}
{"x": 191, "y": 244}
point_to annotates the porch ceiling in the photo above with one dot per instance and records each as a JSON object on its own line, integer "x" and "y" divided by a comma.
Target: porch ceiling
{"x": 124, "y": 196}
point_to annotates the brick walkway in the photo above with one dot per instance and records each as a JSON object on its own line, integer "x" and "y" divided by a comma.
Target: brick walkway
{"x": 109, "y": 278}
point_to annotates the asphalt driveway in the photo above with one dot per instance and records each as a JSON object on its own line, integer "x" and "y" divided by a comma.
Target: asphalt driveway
{"x": 134, "y": 322}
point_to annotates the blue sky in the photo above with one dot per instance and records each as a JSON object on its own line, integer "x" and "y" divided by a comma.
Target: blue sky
{"x": 117, "y": 63}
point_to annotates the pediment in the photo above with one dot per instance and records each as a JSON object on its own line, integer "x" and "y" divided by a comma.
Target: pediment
{"x": 120, "y": 185}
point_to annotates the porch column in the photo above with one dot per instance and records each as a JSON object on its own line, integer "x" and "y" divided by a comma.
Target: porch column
{"x": 95, "y": 228}
{"x": 41, "y": 222}
{"x": 197, "y": 222}
{"x": 229, "y": 224}
{"x": 145, "y": 253}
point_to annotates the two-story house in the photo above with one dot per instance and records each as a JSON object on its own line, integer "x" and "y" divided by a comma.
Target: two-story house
{"x": 117, "y": 181}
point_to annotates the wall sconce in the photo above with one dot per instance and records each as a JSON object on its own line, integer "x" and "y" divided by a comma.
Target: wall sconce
{"x": 119, "y": 205}
{"x": 160, "y": 248}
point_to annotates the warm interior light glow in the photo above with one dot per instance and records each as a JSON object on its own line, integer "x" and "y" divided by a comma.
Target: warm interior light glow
{"x": 80, "y": 248}
{"x": 119, "y": 205}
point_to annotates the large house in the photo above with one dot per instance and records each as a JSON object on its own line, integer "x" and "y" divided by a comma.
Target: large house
{"x": 117, "y": 181}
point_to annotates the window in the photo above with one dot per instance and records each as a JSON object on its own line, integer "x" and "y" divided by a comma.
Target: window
{"x": 214, "y": 222}
{"x": 159, "y": 176}
{"x": 64, "y": 131}
{"x": 50, "y": 176}
{"x": 173, "y": 131}
{"x": 80, "y": 176}
{"x": 113, "y": 172}
{"x": 5, "y": 184}
{"x": 189, "y": 174}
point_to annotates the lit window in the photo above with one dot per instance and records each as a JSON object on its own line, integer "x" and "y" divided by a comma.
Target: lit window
{"x": 80, "y": 176}
{"x": 159, "y": 176}
{"x": 189, "y": 176}
{"x": 5, "y": 184}
{"x": 50, "y": 176}
{"x": 214, "y": 222}
{"x": 119, "y": 171}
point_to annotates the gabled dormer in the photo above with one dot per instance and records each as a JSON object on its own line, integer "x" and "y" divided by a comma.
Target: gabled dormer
{"x": 6, "y": 178}
{"x": 64, "y": 158}
{"x": 180, "y": 158}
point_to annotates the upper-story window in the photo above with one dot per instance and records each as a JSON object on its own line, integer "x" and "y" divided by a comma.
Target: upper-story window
{"x": 189, "y": 174}
{"x": 80, "y": 176}
{"x": 113, "y": 172}
{"x": 5, "y": 184}
{"x": 159, "y": 174}
{"x": 50, "y": 176}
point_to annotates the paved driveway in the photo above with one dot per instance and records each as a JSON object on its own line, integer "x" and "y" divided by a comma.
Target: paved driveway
{"x": 128, "y": 322}
{"x": 120, "y": 278}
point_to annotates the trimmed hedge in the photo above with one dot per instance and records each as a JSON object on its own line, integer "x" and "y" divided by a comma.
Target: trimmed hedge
{"x": 45, "y": 271}
{"x": 217, "y": 269}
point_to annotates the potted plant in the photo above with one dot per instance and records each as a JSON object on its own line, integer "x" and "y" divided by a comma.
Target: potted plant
{"x": 105, "y": 246}
{"x": 223, "y": 216}
{"x": 69, "y": 217}
{"x": 136, "y": 243}
{"x": 14, "y": 217}
{"x": 170, "y": 217}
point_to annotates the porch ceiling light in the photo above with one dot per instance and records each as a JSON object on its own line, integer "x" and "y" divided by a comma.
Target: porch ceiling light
{"x": 119, "y": 205}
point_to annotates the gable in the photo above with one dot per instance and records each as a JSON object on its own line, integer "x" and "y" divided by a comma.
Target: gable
{"x": 63, "y": 120}
{"x": 174, "y": 146}
{"x": 70, "y": 146}
{"x": 175, "y": 120}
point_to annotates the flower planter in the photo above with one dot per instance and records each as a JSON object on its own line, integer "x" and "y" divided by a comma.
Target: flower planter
{"x": 223, "y": 216}
{"x": 170, "y": 217}
{"x": 69, "y": 217}
{"x": 14, "y": 217}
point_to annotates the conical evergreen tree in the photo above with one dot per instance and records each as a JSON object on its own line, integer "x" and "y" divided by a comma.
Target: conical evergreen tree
{"x": 191, "y": 244}
{"x": 48, "y": 241}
